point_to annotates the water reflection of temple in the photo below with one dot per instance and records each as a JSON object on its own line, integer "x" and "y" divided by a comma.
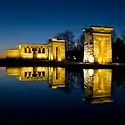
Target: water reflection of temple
{"x": 97, "y": 84}
{"x": 55, "y": 76}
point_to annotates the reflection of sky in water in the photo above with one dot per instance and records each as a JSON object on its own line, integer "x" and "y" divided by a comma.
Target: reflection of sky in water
{"x": 118, "y": 94}
{"x": 36, "y": 99}
{"x": 16, "y": 93}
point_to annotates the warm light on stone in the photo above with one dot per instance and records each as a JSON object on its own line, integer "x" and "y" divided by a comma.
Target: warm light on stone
{"x": 91, "y": 59}
{"x": 98, "y": 42}
{"x": 54, "y": 50}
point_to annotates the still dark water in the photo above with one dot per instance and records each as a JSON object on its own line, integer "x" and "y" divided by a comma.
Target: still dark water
{"x": 33, "y": 95}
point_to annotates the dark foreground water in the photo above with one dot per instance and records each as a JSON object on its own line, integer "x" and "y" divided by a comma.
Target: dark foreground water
{"x": 34, "y": 95}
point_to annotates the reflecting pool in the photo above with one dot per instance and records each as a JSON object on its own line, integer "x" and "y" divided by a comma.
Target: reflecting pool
{"x": 47, "y": 94}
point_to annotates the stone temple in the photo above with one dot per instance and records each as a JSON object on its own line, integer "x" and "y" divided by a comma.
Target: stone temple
{"x": 53, "y": 50}
{"x": 97, "y": 47}
{"x": 98, "y": 44}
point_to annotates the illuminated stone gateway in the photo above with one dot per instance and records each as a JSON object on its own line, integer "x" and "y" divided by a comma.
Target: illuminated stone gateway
{"x": 98, "y": 45}
{"x": 54, "y": 50}
{"x": 97, "y": 48}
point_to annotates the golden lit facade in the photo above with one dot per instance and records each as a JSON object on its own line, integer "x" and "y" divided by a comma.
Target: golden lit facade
{"x": 97, "y": 84}
{"x": 55, "y": 76}
{"x": 54, "y": 50}
{"x": 98, "y": 45}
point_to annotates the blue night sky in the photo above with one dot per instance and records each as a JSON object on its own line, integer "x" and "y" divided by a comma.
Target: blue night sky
{"x": 35, "y": 21}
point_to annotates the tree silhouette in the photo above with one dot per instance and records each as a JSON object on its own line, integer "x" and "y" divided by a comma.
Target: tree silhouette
{"x": 81, "y": 45}
{"x": 68, "y": 36}
{"x": 123, "y": 36}
{"x": 118, "y": 50}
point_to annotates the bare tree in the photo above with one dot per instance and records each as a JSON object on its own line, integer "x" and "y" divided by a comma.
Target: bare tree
{"x": 68, "y": 36}
{"x": 123, "y": 36}
{"x": 81, "y": 42}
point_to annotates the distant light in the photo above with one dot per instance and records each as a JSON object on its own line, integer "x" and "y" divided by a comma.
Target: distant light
{"x": 75, "y": 58}
{"x": 83, "y": 29}
{"x": 117, "y": 63}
